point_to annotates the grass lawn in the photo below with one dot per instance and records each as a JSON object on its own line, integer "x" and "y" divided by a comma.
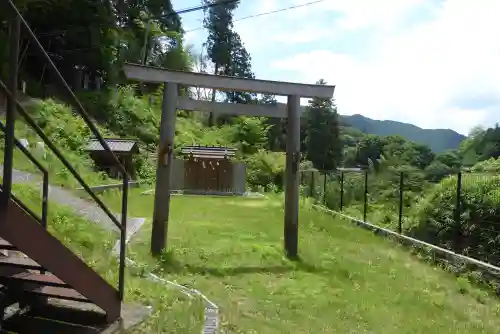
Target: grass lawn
{"x": 348, "y": 280}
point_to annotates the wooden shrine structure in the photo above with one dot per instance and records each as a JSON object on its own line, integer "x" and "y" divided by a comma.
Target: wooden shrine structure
{"x": 123, "y": 149}
{"x": 209, "y": 170}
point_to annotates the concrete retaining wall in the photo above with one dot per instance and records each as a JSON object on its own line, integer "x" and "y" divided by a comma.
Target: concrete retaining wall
{"x": 104, "y": 187}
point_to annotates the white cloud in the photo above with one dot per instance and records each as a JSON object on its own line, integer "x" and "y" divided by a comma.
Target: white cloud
{"x": 272, "y": 21}
{"x": 415, "y": 74}
{"x": 308, "y": 34}
{"x": 295, "y": 19}
{"x": 359, "y": 14}
{"x": 417, "y": 58}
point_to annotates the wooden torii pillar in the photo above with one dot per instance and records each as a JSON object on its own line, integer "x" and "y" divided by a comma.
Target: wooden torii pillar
{"x": 171, "y": 102}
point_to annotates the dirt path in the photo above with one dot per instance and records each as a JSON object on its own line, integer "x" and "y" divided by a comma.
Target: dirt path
{"x": 87, "y": 209}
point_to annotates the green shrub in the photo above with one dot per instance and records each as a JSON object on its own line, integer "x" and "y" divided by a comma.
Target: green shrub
{"x": 70, "y": 133}
{"x": 266, "y": 169}
{"x": 491, "y": 165}
{"x": 436, "y": 171}
{"x": 124, "y": 113}
{"x": 250, "y": 133}
{"x": 60, "y": 124}
{"x": 476, "y": 231}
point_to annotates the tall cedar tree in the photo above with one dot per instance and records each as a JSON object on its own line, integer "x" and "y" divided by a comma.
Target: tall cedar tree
{"x": 240, "y": 66}
{"x": 324, "y": 147}
{"x": 225, "y": 48}
{"x": 218, "y": 21}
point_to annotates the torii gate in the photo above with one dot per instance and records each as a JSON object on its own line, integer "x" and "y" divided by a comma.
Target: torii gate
{"x": 172, "y": 101}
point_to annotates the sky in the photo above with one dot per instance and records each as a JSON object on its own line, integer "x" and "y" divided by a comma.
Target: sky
{"x": 432, "y": 63}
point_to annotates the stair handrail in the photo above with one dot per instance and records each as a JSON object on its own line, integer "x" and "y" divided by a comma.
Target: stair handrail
{"x": 31, "y": 122}
{"x": 38, "y": 130}
{"x": 79, "y": 107}
{"x": 93, "y": 128}
{"x": 45, "y": 183}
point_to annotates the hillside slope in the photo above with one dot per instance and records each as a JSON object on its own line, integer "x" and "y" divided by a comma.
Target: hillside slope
{"x": 437, "y": 139}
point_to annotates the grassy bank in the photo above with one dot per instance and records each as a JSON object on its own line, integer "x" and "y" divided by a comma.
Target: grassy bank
{"x": 348, "y": 280}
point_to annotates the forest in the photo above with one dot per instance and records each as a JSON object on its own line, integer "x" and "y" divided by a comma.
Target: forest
{"x": 90, "y": 41}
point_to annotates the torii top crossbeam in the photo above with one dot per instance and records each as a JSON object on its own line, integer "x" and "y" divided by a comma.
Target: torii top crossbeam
{"x": 160, "y": 75}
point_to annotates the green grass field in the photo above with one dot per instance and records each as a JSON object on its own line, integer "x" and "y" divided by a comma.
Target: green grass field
{"x": 347, "y": 281}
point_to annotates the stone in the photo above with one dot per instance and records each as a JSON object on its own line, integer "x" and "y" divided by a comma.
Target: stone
{"x": 24, "y": 142}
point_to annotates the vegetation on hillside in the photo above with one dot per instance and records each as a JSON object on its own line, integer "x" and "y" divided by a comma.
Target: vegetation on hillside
{"x": 438, "y": 140}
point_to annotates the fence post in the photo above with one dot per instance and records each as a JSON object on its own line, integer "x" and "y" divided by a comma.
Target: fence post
{"x": 365, "y": 209}
{"x": 458, "y": 240}
{"x": 401, "y": 185}
{"x": 324, "y": 188}
{"x": 311, "y": 190}
{"x": 341, "y": 190}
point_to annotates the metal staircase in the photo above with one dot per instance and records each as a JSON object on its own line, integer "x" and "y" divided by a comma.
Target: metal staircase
{"x": 38, "y": 268}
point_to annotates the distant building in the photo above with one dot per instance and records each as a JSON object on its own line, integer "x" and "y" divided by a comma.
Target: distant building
{"x": 124, "y": 149}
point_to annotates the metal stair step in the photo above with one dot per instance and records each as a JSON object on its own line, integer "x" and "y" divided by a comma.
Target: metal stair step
{"x": 32, "y": 324}
{"x": 20, "y": 262}
{"x": 47, "y": 253}
{"x": 5, "y": 245}
{"x": 33, "y": 278}
{"x": 59, "y": 293}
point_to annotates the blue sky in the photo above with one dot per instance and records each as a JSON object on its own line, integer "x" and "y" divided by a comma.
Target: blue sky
{"x": 432, "y": 63}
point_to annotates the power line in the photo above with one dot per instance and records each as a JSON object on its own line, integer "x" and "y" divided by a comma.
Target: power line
{"x": 179, "y": 12}
{"x": 267, "y": 13}
{"x": 250, "y": 16}
{"x": 193, "y": 9}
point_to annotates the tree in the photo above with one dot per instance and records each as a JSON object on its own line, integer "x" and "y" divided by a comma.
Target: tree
{"x": 423, "y": 156}
{"x": 91, "y": 39}
{"x": 324, "y": 147}
{"x": 450, "y": 158}
{"x": 218, "y": 21}
{"x": 250, "y": 133}
{"x": 482, "y": 144}
{"x": 437, "y": 170}
{"x": 169, "y": 19}
{"x": 225, "y": 49}
{"x": 406, "y": 152}
{"x": 490, "y": 145}
{"x": 240, "y": 66}
{"x": 469, "y": 146}
{"x": 370, "y": 148}
{"x": 83, "y": 39}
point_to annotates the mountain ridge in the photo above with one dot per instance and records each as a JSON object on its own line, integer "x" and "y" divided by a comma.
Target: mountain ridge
{"x": 438, "y": 140}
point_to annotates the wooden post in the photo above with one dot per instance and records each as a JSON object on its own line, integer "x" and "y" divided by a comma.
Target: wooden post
{"x": 164, "y": 169}
{"x": 291, "y": 229}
